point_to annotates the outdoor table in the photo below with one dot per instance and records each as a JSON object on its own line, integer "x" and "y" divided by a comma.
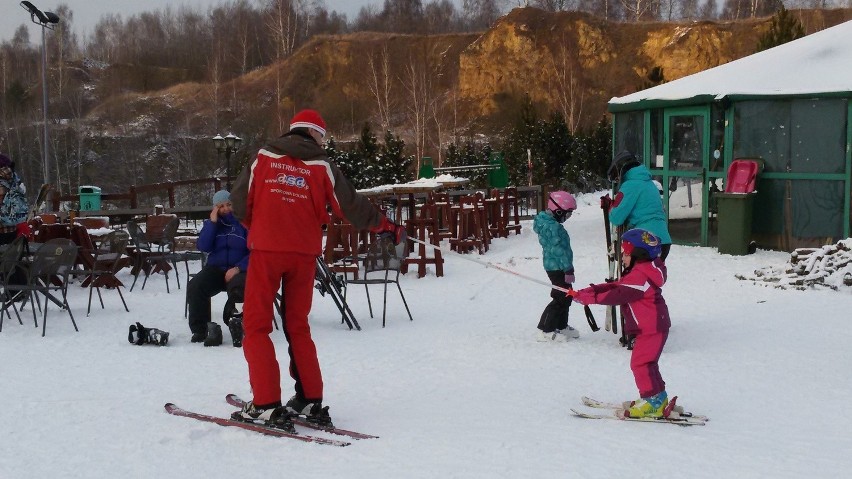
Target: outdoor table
{"x": 452, "y": 182}
{"x": 406, "y": 192}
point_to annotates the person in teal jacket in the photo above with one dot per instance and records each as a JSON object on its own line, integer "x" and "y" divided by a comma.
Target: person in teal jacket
{"x": 638, "y": 203}
{"x": 558, "y": 261}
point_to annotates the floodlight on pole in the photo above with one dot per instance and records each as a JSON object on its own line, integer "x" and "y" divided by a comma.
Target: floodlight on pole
{"x": 46, "y": 20}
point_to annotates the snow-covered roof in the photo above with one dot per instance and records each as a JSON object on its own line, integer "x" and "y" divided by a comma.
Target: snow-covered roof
{"x": 819, "y": 63}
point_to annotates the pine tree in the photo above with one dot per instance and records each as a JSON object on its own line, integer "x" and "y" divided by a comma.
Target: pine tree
{"x": 783, "y": 28}
{"x": 394, "y": 165}
{"x": 469, "y": 153}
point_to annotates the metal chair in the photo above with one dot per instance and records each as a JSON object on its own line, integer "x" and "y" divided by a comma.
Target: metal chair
{"x": 383, "y": 258}
{"x": 9, "y": 265}
{"x": 151, "y": 256}
{"x": 189, "y": 276}
{"x": 47, "y": 274}
{"x": 102, "y": 265}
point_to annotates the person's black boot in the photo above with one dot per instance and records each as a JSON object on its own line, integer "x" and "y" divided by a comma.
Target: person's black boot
{"x": 214, "y": 335}
{"x": 236, "y": 328}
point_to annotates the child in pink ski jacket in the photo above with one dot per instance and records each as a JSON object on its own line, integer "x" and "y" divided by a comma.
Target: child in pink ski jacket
{"x": 639, "y": 293}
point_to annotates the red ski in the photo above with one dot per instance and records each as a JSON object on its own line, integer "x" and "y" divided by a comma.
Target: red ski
{"x": 235, "y": 400}
{"x": 250, "y": 426}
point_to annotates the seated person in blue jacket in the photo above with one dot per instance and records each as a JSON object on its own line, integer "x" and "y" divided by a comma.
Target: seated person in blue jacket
{"x": 223, "y": 238}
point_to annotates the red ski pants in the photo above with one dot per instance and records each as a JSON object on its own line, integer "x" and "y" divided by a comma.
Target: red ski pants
{"x": 266, "y": 273}
{"x": 643, "y": 362}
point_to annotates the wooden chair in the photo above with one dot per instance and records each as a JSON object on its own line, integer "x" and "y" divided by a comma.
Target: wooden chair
{"x": 470, "y": 231}
{"x": 510, "y": 210}
{"x": 426, "y": 228}
{"x": 341, "y": 245}
{"x": 442, "y": 203}
{"x": 48, "y": 218}
{"x": 47, "y": 232}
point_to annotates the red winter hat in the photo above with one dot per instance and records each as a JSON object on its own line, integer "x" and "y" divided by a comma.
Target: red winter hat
{"x": 308, "y": 119}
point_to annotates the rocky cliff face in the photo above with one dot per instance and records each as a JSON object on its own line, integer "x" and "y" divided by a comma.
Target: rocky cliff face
{"x": 571, "y": 59}
{"x": 568, "y": 62}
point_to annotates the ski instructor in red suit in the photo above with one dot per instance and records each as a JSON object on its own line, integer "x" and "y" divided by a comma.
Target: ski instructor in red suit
{"x": 282, "y": 198}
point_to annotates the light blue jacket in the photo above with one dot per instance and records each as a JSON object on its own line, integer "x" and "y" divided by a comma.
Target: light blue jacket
{"x": 555, "y": 243}
{"x": 638, "y": 204}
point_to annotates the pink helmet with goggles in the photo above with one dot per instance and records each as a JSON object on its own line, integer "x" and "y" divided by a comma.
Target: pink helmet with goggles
{"x": 561, "y": 204}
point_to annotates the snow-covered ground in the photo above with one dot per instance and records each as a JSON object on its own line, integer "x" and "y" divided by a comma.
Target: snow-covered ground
{"x": 462, "y": 391}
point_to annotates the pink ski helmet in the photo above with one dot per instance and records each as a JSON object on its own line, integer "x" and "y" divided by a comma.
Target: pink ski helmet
{"x": 561, "y": 204}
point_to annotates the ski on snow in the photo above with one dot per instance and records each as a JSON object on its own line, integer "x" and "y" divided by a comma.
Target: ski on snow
{"x": 250, "y": 426}
{"x": 235, "y": 400}
{"x": 685, "y": 419}
{"x": 594, "y": 403}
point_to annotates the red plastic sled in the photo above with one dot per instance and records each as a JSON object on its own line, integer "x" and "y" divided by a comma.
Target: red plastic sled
{"x": 742, "y": 176}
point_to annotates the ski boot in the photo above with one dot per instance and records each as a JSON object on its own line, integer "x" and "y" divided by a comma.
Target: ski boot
{"x": 140, "y": 335}
{"x": 275, "y": 416}
{"x": 235, "y": 325}
{"x": 654, "y": 406}
{"x": 214, "y": 335}
{"x": 544, "y": 337}
{"x": 571, "y": 333}
{"x": 314, "y": 412}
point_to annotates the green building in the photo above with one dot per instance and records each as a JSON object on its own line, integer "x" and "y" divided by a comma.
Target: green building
{"x": 789, "y": 106}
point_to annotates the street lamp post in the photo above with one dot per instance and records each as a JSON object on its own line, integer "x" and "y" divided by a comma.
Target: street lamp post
{"x": 46, "y": 20}
{"x": 229, "y": 144}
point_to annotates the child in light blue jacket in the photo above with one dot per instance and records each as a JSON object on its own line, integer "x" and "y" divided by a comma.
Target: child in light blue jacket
{"x": 558, "y": 261}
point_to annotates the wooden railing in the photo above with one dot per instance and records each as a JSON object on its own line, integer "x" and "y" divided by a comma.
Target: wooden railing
{"x": 131, "y": 198}
{"x": 125, "y": 206}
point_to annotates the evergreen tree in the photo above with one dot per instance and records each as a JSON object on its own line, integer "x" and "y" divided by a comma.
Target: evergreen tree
{"x": 348, "y": 162}
{"x": 591, "y": 153}
{"x": 470, "y": 153}
{"x": 367, "y": 151}
{"x": 369, "y": 164}
{"x": 394, "y": 166}
{"x": 783, "y": 28}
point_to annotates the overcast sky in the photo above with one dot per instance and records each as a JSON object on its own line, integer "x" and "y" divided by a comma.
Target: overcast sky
{"x": 88, "y": 12}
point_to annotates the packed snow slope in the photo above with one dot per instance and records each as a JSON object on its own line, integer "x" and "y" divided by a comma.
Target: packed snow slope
{"x": 462, "y": 391}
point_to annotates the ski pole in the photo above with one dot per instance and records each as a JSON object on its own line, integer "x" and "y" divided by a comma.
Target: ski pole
{"x": 567, "y": 291}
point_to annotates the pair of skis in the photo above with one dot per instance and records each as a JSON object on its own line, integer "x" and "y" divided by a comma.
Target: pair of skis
{"x": 235, "y": 400}
{"x": 613, "y": 256}
{"x": 677, "y": 415}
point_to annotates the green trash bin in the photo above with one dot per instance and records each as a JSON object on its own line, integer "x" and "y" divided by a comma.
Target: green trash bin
{"x": 497, "y": 177}
{"x": 90, "y": 198}
{"x": 735, "y": 211}
{"x": 427, "y": 170}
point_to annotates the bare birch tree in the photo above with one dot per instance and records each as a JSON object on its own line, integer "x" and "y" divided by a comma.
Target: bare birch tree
{"x": 380, "y": 84}
{"x": 567, "y": 85}
{"x": 416, "y": 82}
{"x": 638, "y": 10}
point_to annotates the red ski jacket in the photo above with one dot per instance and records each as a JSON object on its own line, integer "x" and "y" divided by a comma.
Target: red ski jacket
{"x": 282, "y": 197}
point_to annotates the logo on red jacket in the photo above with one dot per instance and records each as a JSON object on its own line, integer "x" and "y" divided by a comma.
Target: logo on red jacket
{"x": 292, "y": 180}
